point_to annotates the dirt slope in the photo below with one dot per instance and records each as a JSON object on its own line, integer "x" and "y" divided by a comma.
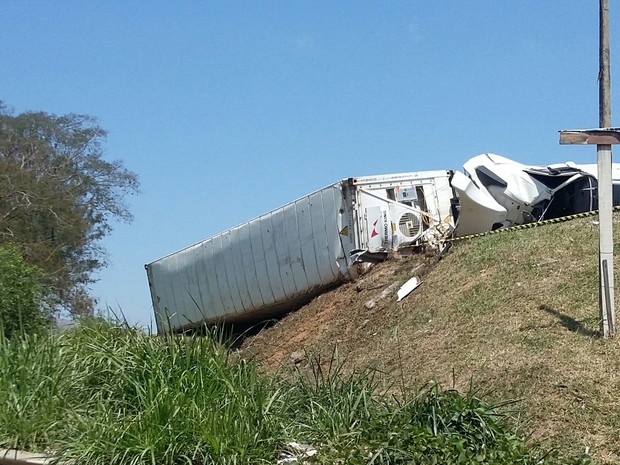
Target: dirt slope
{"x": 347, "y": 318}
{"x": 513, "y": 314}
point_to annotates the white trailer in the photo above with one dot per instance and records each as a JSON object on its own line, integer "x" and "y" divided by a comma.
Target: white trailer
{"x": 268, "y": 265}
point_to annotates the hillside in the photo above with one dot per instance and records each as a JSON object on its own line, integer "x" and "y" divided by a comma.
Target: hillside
{"x": 513, "y": 315}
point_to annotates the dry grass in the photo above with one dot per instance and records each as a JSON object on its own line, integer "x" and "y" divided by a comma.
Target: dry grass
{"x": 515, "y": 314}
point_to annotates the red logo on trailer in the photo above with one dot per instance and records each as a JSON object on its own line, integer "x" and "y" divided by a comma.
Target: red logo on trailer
{"x": 374, "y": 229}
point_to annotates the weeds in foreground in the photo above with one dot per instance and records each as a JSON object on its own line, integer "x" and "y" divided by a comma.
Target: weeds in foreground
{"x": 105, "y": 393}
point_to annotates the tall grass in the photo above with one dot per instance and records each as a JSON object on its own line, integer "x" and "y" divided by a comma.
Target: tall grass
{"x": 146, "y": 399}
{"x": 32, "y": 391}
{"x": 106, "y": 393}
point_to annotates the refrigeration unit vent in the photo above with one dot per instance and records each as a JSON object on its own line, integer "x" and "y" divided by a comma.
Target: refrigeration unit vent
{"x": 409, "y": 225}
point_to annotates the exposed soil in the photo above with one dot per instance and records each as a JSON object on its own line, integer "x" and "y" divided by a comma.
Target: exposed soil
{"x": 345, "y": 319}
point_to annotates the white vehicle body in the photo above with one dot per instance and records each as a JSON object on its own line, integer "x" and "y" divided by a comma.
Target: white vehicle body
{"x": 270, "y": 264}
{"x": 496, "y": 192}
{"x": 267, "y": 265}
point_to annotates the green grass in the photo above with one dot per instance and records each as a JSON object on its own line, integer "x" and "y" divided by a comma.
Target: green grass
{"x": 103, "y": 393}
{"x": 126, "y": 397}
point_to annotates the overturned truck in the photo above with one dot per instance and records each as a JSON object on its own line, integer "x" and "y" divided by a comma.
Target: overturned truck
{"x": 276, "y": 261}
{"x": 496, "y": 192}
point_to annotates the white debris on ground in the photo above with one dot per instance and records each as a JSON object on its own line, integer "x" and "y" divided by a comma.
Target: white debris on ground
{"x": 408, "y": 288}
{"x": 296, "y": 454}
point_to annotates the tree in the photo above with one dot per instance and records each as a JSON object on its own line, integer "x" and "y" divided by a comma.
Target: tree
{"x": 22, "y": 307}
{"x": 59, "y": 197}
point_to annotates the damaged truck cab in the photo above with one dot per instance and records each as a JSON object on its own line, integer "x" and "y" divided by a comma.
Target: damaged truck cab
{"x": 496, "y": 192}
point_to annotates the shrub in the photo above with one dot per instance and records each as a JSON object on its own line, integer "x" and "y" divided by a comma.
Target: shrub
{"x": 21, "y": 295}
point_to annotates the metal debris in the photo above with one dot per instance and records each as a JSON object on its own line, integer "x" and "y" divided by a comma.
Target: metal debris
{"x": 407, "y": 288}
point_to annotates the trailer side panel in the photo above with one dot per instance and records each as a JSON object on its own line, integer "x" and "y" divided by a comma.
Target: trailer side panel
{"x": 264, "y": 263}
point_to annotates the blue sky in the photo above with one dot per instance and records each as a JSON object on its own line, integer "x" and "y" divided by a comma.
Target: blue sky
{"x": 228, "y": 109}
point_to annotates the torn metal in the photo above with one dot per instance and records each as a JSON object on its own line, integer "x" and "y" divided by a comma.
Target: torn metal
{"x": 496, "y": 192}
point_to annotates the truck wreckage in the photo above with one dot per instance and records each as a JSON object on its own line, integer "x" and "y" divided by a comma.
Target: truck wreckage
{"x": 496, "y": 192}
{"x": 272, "y": 263}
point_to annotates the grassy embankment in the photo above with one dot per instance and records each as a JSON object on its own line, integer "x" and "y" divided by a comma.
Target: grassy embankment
{"x": 513, "y": 314}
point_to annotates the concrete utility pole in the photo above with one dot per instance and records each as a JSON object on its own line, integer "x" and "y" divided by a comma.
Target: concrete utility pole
{"x": 605, "y": 190}
{"x": 603, "y": 138}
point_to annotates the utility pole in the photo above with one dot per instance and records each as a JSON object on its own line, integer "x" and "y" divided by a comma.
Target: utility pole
{"x": 605, "y": 189}
{"x": 603, "y": 138}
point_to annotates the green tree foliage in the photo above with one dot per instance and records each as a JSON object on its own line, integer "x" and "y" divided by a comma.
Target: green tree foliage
{"x": 59, "y": 197}
{"x": 22, "y": 309}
